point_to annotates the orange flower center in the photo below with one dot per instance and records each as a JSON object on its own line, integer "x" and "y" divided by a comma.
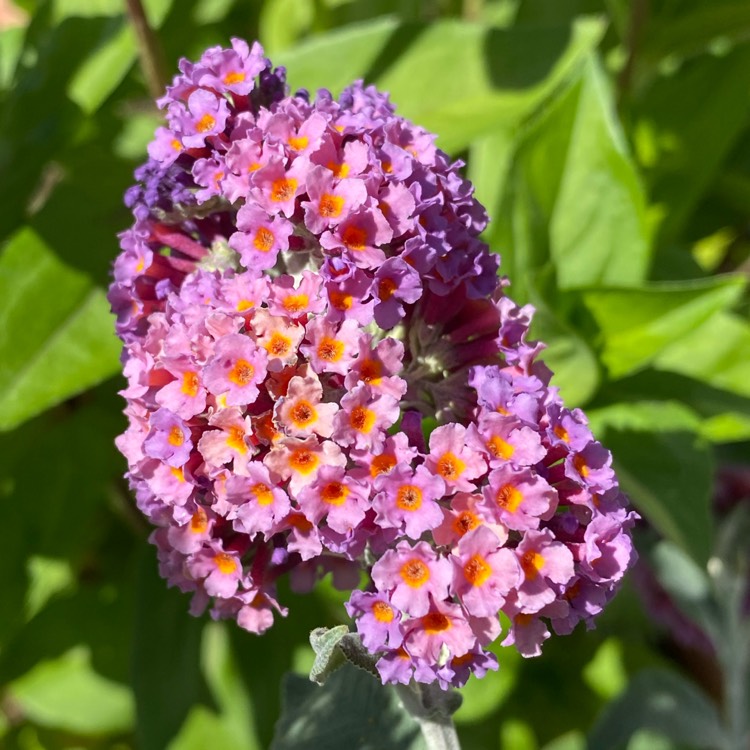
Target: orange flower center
{"x": 303, "y": 460}
{"x": 278, "y": 345}
{"x": 415, "y": 573}
{"x": 190, "y": 383}
{"x": 499, "y": 448}
{"x": 331, "y": 206}
{"x": 362, "y": 419}
{"x": 242, "y": 373}
{"x": 225, "y": 563}
{"x": 382, "y": 464}
{"x": 262, "y": 493}
{"x": 509, "y": 498}
{"x": 532, "y": 562}
{"x": 263, "y": 240}
{"x": 477, "y": 570}
{"x": 176, "y": 438}
{"x": 303, "y": 413}
{"x": 199, "y": 521}
{"x": 283, "y": 189}
{"x": 435, "y": 622}
{"x": 382, "y": 611}
{"x": 330, "y": 350}
{"x": 334, "y": 493}
{"x": 409, "y": 497}
{"x": 386, "y": 288}
{"x": 296, "y": 303}
{"x": 205, "y": 124}
{"x": 465, "y": 522}
{"x": 450, "y": 466}
{"x": 354, "y": 238}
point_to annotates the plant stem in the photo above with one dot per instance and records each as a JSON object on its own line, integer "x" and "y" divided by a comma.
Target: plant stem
{"x": 436, "y": 724}
{"x": 149, "y": 49}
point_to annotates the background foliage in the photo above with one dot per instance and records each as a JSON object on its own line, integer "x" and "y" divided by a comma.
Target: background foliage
{"x": 610, "y": 142}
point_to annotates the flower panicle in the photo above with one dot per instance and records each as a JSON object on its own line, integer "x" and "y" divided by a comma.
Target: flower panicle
{"x": 303, "y": 287}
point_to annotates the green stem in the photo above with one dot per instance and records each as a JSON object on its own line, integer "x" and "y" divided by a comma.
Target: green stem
{"x": 431, "y": 711}
{"x": 149, "y": 49}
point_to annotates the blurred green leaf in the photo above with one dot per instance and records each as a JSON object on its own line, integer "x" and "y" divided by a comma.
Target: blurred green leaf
{"x": 644, "y": 416}
{"x": 227, "y": 687}
{"x": 283, "y": 21}
{"x": 481, "y": 698}
{"x": 690, "y": 30}
{"x": 103, "y": 70}
{"x": 461, "y": 80}
{"x": 11, "y": 45}
{"x": 312, "y": 715}
{"x": 664, "y": 702}
{"x": 56, "y": 333}
{"x": 167, "y": 677}
{"x": 317, "y": 62}
{"x": 68, "y": 694}
{"x": 605, "y": 674}
{"x": 688, "y": 586}
{"x": 457, "y": 79}
{"x": 573, "y": 197}
{"x": 669, "y": 477}
{"x": 637, "y": 324}
{"x": 692, "y": 143}
{"x": 568, "y": 354}
{"x": 717, "y": 353}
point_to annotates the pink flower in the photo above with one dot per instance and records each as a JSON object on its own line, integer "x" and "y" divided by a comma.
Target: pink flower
{"x": 484, "y": 572}
{"x": 406, "y": 500}
{"x": 236, "y": 370}
{"x": 451, "y": 459}
{"x": 411, "y": 575}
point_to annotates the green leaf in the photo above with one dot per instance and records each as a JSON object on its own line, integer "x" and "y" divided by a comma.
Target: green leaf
{"x": 103, "y": 70}
{"x": 717, "y": 353}
{"x": 568, "y": 354}
{"x": 688, "y": 586}
{"x": 352, "y": 710}
{"x": 573, "y": 197}
{"x": 482, "y": 697}
{"x": 56, "y": 332}
{"x": 227, "y": 687}
{"x": 637, "y": 324}
{"x": 691, "y": 144}
{"x": 462, "y": 80}
{"x": 665, "y": 703}
{"x": 68, "y": 694}
{"x": 605, "y": 674}
{"x": 691, "y": 30}
{"x": 669, "y": 477}
{"x": 328, "y": 656}
{"x": 282, "y": 22}
{"x": 457, "y": 79}
{"x": 644, "y": 416}
{"x": 11, "y": 44}
{"x": 317, "y": 62}
{"x": 167, "y": 679}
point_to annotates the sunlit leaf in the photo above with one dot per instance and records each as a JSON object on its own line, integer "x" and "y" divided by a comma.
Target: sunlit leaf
{"x": 56, "y": 333}
{"x": 637, "y": 324}
{"x": 68, "y": 694}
